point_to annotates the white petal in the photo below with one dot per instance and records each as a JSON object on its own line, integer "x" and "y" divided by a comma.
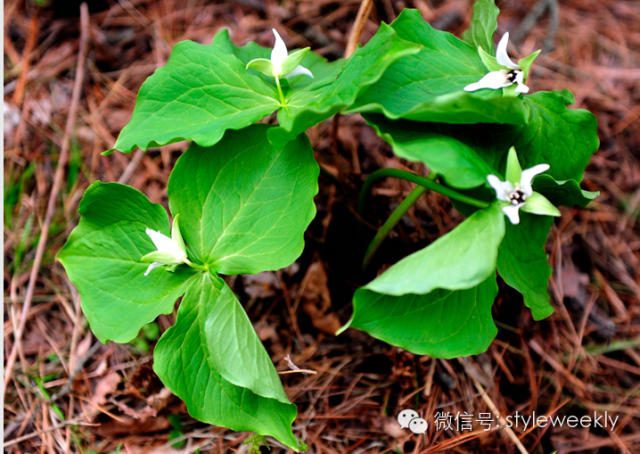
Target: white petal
{"x": 512, "y": 212}
{"x": 502, "y": 188}
{"x": 162, "y": 242}
{"x": 528, "y": 175}
{"x": 165, "y": 244}
{"x": 521, "y": 88}
{"x": 279, "y": 53}
{"x": 151, "y": 267}
{"x": 493, "y": 80}
{"x": 299, "y": 70}
{"x": 501, "y": 53}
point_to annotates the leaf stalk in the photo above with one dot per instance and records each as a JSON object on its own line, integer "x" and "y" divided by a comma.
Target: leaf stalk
{"x": 423, "y": 183}
{"x": 196, "y": 266}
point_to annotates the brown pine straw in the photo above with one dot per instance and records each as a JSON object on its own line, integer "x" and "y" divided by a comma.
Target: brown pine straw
{"x": 361, "y": 384}
{"x": 53, "y": 196}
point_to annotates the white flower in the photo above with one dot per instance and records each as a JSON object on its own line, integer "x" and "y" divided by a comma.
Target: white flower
{"x": 282, "y": 64}
{"x": 170, "y": 251}
{"x": 507, "y": 75}
{"x": 517, "y": 193}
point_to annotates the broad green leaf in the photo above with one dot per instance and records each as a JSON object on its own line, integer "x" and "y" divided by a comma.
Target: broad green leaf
{"x": 442, "y": 324}
{"x": 561, "y": 137}
{"x": 181, "y": 362}
{"x": 429, "y": 86}
{"x": 523, "y": 264}
{"x": 232, "y": 345}
{"x": 484, "y": 23}
{"x": 456, "y": 162}
{"x": 538, "y": 204}
{"x": 199, "y": 94}
{"x": 244, "y": 204}
{"x": 319, "y": 101}
{"x": 461, "y": 259}
{"x": 567, "y": 193}
{"x": 556, "y": 135}
{"x": 103, "y": 259}
{"x": 323, "y": 71}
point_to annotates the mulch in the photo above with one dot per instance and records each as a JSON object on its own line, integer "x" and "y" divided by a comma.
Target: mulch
{"x": 584, "y": 358}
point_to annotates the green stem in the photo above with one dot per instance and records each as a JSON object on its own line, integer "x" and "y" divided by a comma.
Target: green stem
{"x": 280, "y": 91}
{"x": 196, "y": 266}
{"x": 423, "y": 183}
{"x": 426, "y": 182}
{"x": 390, "y": 223}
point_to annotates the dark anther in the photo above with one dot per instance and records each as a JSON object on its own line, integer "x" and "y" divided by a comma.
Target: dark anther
{"x": 517, "y": 197}
{"x": 511, "y": 75}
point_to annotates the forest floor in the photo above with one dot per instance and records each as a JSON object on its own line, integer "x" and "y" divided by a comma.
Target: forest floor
{"x": 583, "y": 358}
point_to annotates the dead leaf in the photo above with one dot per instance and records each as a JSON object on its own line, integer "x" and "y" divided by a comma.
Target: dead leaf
{"x": 130, "y": 426}
{"x": 393, "y": 429}
{"x": 317, "y": 300}
{"x": 106, "y": 385}
{"x": 261, "y": 285}
{"x": 144, "y": 382}
{"x": 573, "y": 281}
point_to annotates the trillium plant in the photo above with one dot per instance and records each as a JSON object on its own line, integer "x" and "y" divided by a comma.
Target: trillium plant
{"x": 241, "y": 198}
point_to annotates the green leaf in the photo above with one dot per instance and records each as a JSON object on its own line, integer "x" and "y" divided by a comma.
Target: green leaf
{"x": 244, "y": 204}
{"x": 442, "y": 324}
{"x": 181, "y": 362}
{"x": 232, "y": 345}
{"x": 319, "y": 101}
{"x": 456, "y": 162}
{"x": 523, "y": 263}
{"x": 556, "y": 135}
{"x": 429, "y": 86}
{"x": 484, "y": 23}
{"x": 103, "y": 259}
{"x": 461, "y": 259}
{"x": 567, "y": 193}
{"x": 561, "y": 137}
{"x": 263, "y": 65}
{"x": 199, "y": 94}
{"x": 538, "y": 204}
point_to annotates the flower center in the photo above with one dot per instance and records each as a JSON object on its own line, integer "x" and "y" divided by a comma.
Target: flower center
{"x": 517, "y": 196}
{"x": 511, "y": 75}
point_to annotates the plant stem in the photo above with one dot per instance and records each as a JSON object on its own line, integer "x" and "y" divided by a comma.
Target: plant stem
{"x": 280, "y": 91}
{"x": 423, "y": 183}
{"x": 196, "y": 266}
{"x": 417, "y": 179}
{"x": 391, "y": 222}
